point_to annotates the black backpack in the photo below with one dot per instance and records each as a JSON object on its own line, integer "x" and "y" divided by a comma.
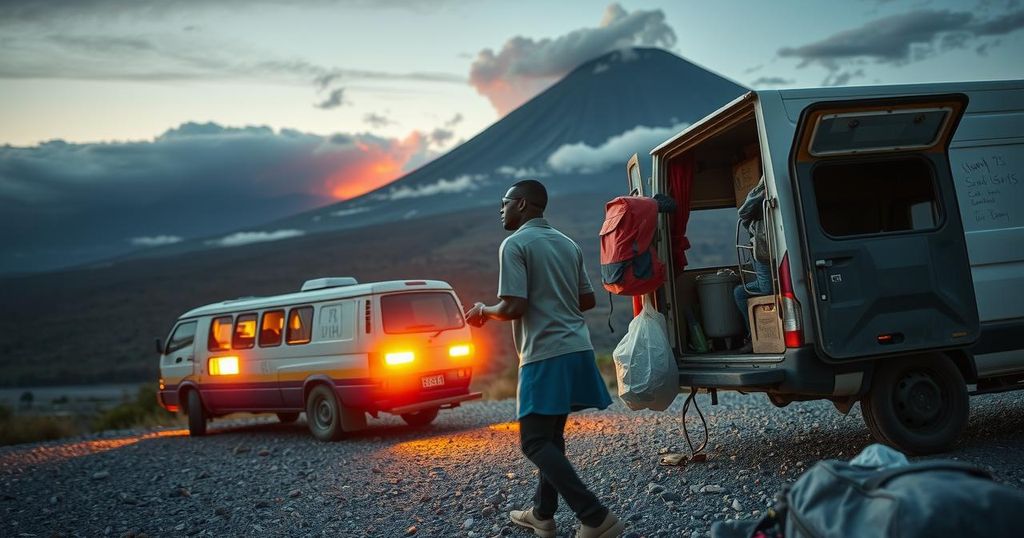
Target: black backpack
{"x": 928, "y": 499}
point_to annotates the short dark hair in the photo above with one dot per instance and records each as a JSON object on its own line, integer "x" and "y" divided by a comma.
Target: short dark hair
{"x": 532, "y": 191}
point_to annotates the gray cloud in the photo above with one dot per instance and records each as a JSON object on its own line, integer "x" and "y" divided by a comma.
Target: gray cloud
{"x": 771, "y": 81}
{"x": 580, "y": 157}
{"x": 377, "y": 121}
{"x": 334, "y": 100}
{"x": 456, "y": 119}
{"x": 903, "y": 38}
{"x": 440, "y": 136}
{"x": 525, "y": 66}
{"x": 63, "y": 203}
{"x": 155, "y": 241}
{"x": 245, "y": 238}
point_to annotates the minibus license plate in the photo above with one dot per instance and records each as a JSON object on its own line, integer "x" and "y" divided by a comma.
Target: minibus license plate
{"x": 433, "y": 381}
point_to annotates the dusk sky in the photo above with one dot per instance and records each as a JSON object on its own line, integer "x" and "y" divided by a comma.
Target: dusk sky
{"x": 325, "y": 100}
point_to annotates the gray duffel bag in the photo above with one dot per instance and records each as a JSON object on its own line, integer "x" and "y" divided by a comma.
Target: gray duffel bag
{"x": 927, "y": 499}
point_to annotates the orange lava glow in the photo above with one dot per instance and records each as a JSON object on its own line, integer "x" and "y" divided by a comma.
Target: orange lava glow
{"x": 52, "y": 453}
{"x": 374, "y": 167}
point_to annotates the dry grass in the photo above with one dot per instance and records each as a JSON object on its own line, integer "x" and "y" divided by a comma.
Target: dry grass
{"x": 15, "y": 429}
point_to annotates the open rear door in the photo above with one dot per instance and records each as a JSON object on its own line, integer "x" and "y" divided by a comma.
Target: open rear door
{"x": 883, "y": 238}
{"x": 634, "y": 177}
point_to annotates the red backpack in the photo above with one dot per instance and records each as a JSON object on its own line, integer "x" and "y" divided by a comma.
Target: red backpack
{"x": 629, "y": 263}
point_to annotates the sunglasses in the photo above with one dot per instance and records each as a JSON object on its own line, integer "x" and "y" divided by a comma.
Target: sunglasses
{"x": 505, "y": 201}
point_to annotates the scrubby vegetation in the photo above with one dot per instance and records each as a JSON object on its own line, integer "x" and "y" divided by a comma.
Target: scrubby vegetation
{"x": 140, "y": 411}
{"x": 30, "y": 428}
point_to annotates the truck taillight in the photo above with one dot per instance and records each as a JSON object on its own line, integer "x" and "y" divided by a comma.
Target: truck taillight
{"x": 399, "y": 357}
{"x": 792, "y": 327}
{"x": 460, "y": 350}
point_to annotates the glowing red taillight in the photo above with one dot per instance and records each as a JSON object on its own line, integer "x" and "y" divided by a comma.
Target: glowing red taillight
{"x": 792, "y": 327}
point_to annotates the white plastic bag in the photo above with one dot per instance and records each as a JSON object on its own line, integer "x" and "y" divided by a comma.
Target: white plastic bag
{"x": 644, "y": 365}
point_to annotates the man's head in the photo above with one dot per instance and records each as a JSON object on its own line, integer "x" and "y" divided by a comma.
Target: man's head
{"x": 523, "y": 201}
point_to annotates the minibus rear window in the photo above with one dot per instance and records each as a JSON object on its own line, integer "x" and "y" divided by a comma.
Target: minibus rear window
{"x": 300, "y": 325}
{"x": 420, "y": 312}
{"x": 220, "y": 334}
{"x": 270, "y": 330}
{"x": 245, "y": 332}
{"x": 876, "y": 197}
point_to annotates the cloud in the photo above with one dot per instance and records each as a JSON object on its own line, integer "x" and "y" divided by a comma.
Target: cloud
{"x": 525, "y": 66}
{"x": 771, "y": 81}
{"x": 155, "y": 241}
{"x": 377, "y": 121}
{"x": 521, "y": 173}
{"x": 334, "y": 100}
{"x": 349, "y": 211}
{"x": 579, "y": 157}
{"x": 901, "y": 39}
{"x": 456, "y": 119}
{"x": 462, "y": 183}
{"x": 246, "y": 238}
{"x": 196, "y": 180}
{"x": 440, "y": 136}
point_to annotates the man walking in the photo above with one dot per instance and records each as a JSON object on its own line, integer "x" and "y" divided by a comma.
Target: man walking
{"x": 543, "y": 290}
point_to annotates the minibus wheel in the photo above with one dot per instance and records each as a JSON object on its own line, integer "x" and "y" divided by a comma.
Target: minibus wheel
{"x": 918, "y": 405}
{"x": 323, "y": 414}
{"x": 421, "y": 417}
{"x": 196, "y": 415}
{"x": 287, "y": 418}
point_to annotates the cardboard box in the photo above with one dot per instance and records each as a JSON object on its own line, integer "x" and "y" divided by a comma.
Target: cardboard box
{"x": 745, "y": 174}
{"x": 766, "y": 325}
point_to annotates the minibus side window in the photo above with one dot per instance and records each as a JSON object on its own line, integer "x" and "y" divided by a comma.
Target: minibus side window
{"x": 220, "y": 334}
{"x": 271, "y": 328}
{"x": 245, "y": 332}
{"x": 183, "y": 337}
{"x": 300, "y": 325}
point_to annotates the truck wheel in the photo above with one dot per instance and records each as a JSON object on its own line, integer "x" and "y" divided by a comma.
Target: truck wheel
{"x": 918, "y": 405}
{"x": 196, "y": 415}
{"x": 323, "y": 414}
{"x": 287, "y": 418}
{"x": 421, "y": 417}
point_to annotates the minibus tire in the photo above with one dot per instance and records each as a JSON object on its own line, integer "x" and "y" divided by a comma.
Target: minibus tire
{"x": 287, "y": 418}
{"x": 196, "y": 415}
{"x": 918, "y": 405}
{"x": 421, "y": 417}
{"x": 323, "y": 414}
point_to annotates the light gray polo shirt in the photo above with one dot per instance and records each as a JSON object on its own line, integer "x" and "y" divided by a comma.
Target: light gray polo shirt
{"x": 543, "y": 266}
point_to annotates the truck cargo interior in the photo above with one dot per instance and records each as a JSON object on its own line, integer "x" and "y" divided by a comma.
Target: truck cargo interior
{"x": 725, "y": 167}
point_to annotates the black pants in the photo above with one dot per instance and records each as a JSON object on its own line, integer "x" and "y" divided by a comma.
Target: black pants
{"x": 543, "y": 442}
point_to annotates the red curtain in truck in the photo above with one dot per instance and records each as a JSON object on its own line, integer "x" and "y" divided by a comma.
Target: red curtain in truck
{"x": 680, "y": 183}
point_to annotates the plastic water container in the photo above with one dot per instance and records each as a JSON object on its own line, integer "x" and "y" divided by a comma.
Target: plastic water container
{"x": 718, "y": 309}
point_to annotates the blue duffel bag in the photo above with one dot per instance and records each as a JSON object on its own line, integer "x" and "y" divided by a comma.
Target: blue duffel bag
{"x": 904, "y": 500}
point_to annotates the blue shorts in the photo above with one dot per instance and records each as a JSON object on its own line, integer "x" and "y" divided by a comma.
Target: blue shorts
{"x": 560, "y": 385}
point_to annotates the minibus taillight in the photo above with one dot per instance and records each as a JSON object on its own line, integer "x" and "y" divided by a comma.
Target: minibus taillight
{"x": 792, "y": 327}
{"x": 460, "y": 350}
{"x": 399, "y": 357}
{"x": 223, "y": 365}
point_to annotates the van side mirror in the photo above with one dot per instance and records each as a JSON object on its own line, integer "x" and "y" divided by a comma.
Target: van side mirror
{"x": 159, "y": 347}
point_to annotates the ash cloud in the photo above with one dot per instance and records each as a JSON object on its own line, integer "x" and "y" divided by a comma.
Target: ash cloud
{"x": 525, "y": 66}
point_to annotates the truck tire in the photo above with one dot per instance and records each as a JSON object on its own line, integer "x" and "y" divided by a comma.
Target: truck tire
{"x": 421, "y": 417}
{"x": 196, "y": 414}
{"x": 323, "y": 414}
{"x": 918, "y": 404}
{"x": 287, "y": 418}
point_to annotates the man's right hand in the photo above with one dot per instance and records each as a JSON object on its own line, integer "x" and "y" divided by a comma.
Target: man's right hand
{"x": 475, "y": 316}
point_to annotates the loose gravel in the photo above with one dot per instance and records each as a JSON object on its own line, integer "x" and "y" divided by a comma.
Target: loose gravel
{"x": 457, "y": 477}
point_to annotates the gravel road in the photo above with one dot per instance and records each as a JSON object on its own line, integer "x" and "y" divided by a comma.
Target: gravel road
{"x": 457, "y": 477}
